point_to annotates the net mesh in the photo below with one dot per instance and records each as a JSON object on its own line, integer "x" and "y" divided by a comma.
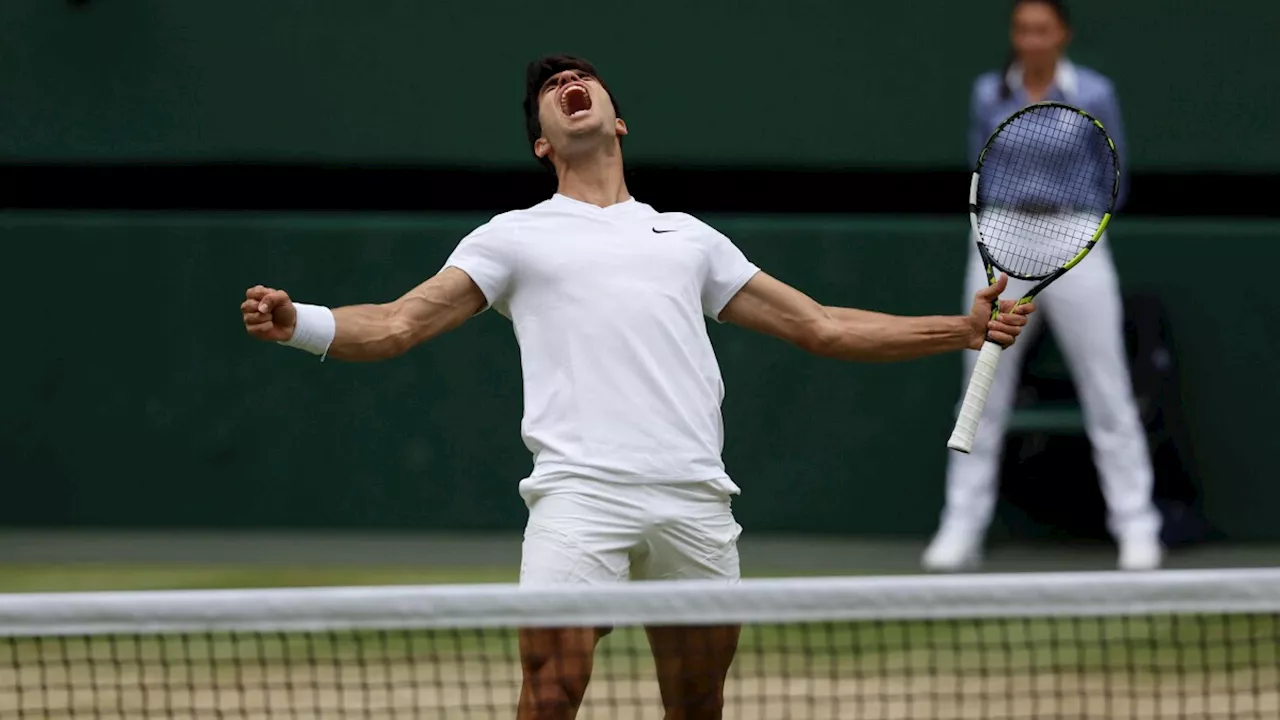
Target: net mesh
{"x": 1046, "y": 181}
{"x": 1107, "y": 645}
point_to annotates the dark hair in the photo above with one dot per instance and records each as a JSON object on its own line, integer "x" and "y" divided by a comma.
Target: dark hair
{"x": 1059, "y": 8}
{"x": 536, "y": 75}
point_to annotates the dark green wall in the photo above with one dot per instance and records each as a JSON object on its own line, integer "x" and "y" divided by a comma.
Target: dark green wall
{"x": 132, "y": 396}
{"x": 829, "y": 83}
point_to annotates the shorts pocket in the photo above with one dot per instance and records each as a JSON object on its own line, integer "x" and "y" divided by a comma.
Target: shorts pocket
{"x": 549, "y": 556}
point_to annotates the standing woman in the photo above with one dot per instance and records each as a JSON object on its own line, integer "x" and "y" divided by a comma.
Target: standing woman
{"x": 1082, "y": 308}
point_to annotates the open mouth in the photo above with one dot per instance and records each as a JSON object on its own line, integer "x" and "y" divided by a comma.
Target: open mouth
{"x": 574, "y": 99}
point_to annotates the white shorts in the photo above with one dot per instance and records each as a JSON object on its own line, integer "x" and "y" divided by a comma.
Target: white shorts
{"x": 584, "y": 531}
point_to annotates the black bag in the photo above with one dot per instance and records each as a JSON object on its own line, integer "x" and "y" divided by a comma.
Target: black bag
{"x": 1049, "y": 486}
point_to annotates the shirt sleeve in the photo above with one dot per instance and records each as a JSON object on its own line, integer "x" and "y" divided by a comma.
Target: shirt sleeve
{"x": 727, "y": 271}
{"x": 487, "y": 256}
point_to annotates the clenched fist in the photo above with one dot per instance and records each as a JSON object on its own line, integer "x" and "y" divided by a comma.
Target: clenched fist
{"x": 269, "y": 314}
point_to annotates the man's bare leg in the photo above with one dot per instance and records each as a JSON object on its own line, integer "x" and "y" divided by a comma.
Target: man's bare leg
{"x": 693, "y": 663}
{"x": 557, "y": 666}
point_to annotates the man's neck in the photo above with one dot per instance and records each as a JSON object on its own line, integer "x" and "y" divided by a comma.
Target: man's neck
{"x": 597, "y": 182}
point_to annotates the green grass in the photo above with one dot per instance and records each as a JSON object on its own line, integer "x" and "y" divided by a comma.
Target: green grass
{"x": 90, "y": 576}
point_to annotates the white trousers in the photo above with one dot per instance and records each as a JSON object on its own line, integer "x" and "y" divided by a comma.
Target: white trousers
{"x": 1083, "y": 309}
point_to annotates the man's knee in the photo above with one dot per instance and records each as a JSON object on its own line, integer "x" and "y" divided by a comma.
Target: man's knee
{"x": 556, "y": 673}
{"x": 557, "y": 678}
{"x": 697, "y": 699}
{"x": 699, "y": 693}
{"x": 549, "y": 700}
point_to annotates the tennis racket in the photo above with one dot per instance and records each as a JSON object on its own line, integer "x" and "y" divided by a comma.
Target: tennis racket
{"x": 1040, "y": 198}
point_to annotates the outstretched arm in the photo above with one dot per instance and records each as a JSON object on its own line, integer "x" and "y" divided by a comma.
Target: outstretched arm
{"x": 363, "y": 333}
{"x": 770, "y": 306}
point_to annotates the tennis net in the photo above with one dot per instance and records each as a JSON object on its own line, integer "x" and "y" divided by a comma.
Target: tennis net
{"x": 1176, "y": 644}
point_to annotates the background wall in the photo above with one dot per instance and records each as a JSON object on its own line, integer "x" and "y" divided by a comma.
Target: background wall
{"x": 744, "y": 83}
{"x": 134, "y": 398}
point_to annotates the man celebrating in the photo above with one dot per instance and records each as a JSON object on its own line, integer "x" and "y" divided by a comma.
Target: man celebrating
{"x": 622, "y": 390}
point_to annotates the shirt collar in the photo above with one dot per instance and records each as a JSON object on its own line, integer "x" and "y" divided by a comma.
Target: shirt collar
{"x": 570, "y": 203}
{"x": 1065, "y": 78}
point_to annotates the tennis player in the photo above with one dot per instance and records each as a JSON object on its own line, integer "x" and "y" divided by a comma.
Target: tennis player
{"x": 1083, "y": 309}
{"x": 622, "y": 390}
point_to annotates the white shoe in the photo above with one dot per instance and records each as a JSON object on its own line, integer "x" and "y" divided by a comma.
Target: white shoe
{"x": 953, "y": 550}
{"x": 1140, "y": 553}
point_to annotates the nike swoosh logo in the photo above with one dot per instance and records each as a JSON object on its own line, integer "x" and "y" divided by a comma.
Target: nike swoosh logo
{"x": 662, "y": 231}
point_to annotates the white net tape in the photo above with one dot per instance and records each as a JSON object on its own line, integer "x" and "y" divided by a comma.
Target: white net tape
{"x": 788, "y": 600}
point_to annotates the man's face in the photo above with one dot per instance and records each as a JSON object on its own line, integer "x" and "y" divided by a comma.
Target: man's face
{"x": 576, "y": 113}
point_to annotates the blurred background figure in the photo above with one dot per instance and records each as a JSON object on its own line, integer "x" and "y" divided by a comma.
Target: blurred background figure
{"x": 1083, "y": 309}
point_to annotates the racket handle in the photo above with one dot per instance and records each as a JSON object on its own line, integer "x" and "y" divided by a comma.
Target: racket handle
{"x": 975, "y": 398}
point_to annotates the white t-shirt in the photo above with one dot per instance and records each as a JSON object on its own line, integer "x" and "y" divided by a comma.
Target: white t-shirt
{"x": 620, "y": 381}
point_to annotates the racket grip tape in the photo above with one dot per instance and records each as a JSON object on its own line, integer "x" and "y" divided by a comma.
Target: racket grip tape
{"x": 975, "y": 397}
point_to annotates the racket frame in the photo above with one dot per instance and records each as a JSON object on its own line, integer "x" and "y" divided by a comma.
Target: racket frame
{"x": 975, "y": 400}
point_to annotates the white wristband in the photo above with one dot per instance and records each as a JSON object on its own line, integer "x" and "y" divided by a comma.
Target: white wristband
{"x": 314, "y": 331}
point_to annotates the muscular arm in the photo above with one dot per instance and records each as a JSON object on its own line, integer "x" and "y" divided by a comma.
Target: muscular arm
{"x": 772, "y": 307}
{"x": 377, "y": 332}
{"x": 364, "y": 333}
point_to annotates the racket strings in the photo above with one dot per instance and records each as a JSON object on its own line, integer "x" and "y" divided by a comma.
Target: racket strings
{"x": 1047, "y": 180}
